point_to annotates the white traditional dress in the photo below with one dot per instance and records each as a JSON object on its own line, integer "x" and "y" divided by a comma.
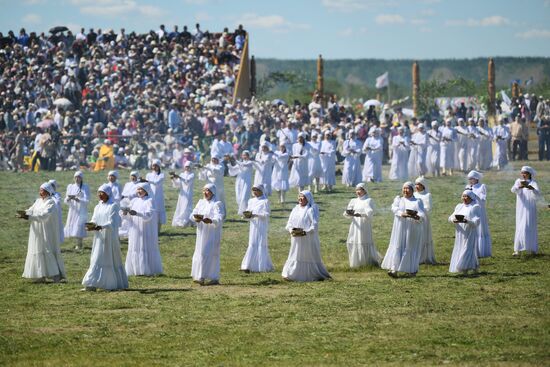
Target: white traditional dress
{"x": 447, "y": 145}
{"x": 78, "y": 210}
{"x": 315, "y": 169}
{"x": 433, "y": 152}
{"x": 143, "y": 257}
{"x": 213, "y": 173}
{"x": 299, "y": 173}
{"x": 106, "y": 270}
{"x": 43, "y": 252}
{"x": 400, "y": 157}
{"x": 243, "y": 183}
{"x": 526, "y": 236}
{"x": 128, "y": 193}
{"x": 257, "y": 258}
{"x": 501, "y": 137}
{"x": 404, "y": 250}
{"x": 156, "y": 180}
{"x": 361, "y": 248}
{"x": 466, "y": 237}
{"x": 485, "y": 160}
{"x": 372, "y": 168}
{"x": 206, "y": 258}
{"x": 484, "y": 244}
{"x": 462, "y": 144}
{"x": 304, "y": 263}
{"x": 417, "y": 157}
{"x": 116, "y": 191}
{"x": 279, "y": 176}
{"x": 427, "y": 254}
{"x": 473, "y": 147}
{"x": 57, "y": 199}
{"x": 351, "y": 151}
{"x": 328, "y": 163}
{"x": 184, "y": 183}
{"x": 263, "y": 165}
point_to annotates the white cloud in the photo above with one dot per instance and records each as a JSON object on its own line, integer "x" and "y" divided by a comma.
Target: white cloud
{"x": 427, "y": 12}
{"x": 425, "y": 29}
{"x": 389, "y": 19}
{"x": 31, "y": 19}
{"x": 494, "y": 20}
{"x": 418, "y": 21}
{"x": 274, "y": 22}
{"x": 196, "y": 2}
{"x": 346, "y": 5}
{"x": 202, "y": 16}
{"x": 113, "y": 8}
{"x": 534, "y": 33}
{"x": 347, "y": 32}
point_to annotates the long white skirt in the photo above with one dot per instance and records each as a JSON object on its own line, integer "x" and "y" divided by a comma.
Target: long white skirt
{"x": 464, "y": 252}
{"x": 304, "y": 263}
{"x": 404, "y": 250}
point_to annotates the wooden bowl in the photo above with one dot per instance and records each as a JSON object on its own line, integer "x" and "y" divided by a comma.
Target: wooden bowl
{"x": 247, "y": 214}
{"x": 350, "y": 212}
{"x": 524, "y": 183}
{"x": 459, "y": 217}
{"x": 411, "y": 212}
{"x": 90, "y": 226}
{"x": 198, "y": 216}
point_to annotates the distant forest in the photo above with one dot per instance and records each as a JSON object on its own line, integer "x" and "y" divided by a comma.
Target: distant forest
{"x": 295, "y": 79}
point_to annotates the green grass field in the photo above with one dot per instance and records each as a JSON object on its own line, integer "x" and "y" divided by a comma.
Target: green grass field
{"x": 362, "y": 317}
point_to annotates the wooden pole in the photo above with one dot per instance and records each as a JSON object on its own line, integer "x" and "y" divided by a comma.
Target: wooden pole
{"x": 491, "y": 91}
{"x": 515, "y": 90}
{"x": 253, "y": 76}
{"x": 415, "y": 86}
{"x": 320, "y": 80}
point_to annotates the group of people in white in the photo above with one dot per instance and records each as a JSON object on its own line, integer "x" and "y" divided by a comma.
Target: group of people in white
{"x": 137, "y": 211}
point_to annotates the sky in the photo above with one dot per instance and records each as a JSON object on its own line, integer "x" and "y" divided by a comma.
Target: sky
{"x": 303, "y": 29}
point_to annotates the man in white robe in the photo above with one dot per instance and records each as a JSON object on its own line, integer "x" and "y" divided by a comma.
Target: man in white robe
{"x": 43, "y": 253}
{"x": 527, "y": 192}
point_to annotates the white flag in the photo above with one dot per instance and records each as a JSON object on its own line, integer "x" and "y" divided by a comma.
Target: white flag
{"x": 505, "y": 98}
{"x": 382, "y": 81}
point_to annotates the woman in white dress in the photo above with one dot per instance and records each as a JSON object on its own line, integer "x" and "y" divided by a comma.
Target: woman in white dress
{"x": 143, "y": 257}
{"x": 427, "y": 255}
{"x": 434, "y": 149}
{"x": 373, "y": 149}
{"x": 112, "y": 178}
{"x": 351, "y": 151}
{"x": 184, "y": 182}
{"x": 256, "y": 258}
{"x": 213, "y": 173}
{"x": 400, "y": 157}
{"x": 243, "y": 170}
{"x": 328, "y": 162}
{"x": 56, "y": 196}
{"x": 299, "y": 173}
{"x": 263, "y": 165}
{"x": 128, "y": 193}
{"x": 484, "y": 243}
{"x": 485, "y": 145}
{"x": 43, "y": 254}
{"x": 448, "y": 138}
{"x": 361, "y": 248}
{"x": 106, "y": 270}
{"x": 155, "y": 178}
{"x": 501, "y": 137}
{"x": 208, "y": 215}
{"x": 279, "y": 177}
{"x": 527, "y": 192}
{"x": 314, "y": 162}
{"x": 77, "y": 197}
{"x": 404, "y": 251}
{"x": 304, "y": 263}
{"x": 466, "y": 218}
{"x": 417, "y": 157}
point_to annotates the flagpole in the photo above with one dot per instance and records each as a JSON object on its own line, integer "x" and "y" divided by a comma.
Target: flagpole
{"x": 389, "y": 99}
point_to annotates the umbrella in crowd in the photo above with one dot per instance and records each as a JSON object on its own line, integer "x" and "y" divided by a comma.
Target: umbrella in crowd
{"x": 372, "y": 102}
{"x": 277, "y": 102}
{"x": 58, "y": 29}
{"x": 213, "y": 103}
{"x": 62, "y": 102}
{"x": 218, "y": 86}
{"x": 44, "y": 124}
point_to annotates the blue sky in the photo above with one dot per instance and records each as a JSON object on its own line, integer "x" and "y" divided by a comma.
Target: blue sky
{"x": 302, "y": 29}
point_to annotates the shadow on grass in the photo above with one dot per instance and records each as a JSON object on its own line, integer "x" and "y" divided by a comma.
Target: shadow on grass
{"x": 260, "y": 283}
{"x": 284, "y": 209}
{"x": 177, "y": 234}
{"x": 235, "y": 221}
{"x": 157, "y": 290}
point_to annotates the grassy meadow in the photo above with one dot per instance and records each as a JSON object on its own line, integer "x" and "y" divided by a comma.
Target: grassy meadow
{"x": 361, "y": 317}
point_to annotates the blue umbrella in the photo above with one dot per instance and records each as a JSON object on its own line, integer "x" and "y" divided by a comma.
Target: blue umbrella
{"x": 277, "y": 102}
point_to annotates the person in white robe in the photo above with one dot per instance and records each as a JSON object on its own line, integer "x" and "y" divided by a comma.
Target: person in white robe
{"x": 466, "y": 218}
{"x": 484, "y": 243}
{"x": 400, "y": 156}
{"x": 155, "y": 178}
{"x": 314, "y": 162}
{"x": 485, "y": 154}
{"x": 373, "y": 149}
{"x": 257, "y": 258}
{"x": 106, "y": 270}
{"x": 501, "y": 138}
{"x": 56, "y": 196}
{"x": 361, "y": 248}
{"x": 243, "y": 184}
{"x": 473, "y": 145}
{"x": 462, "y": 146}
{"x": 417, "y": 156}
{"x": 299, "y": 173}
{"x": 447, "y": 145}
{"x": 427, "y": 255}
{"x": 351, "y": 150}
{"x": 404, "y": 250}
{"x": 263, "y": 165}
{"x": 128, "y": 193}
{"x": 434, "y": 150}
{"x": 328, "y": 162}
{"x": 143, "y": 257}
{"x": 77, "y": 197}
{"x": 279, "y": 176}
{"x": 112, "y": 178}
{"x": 213, "y": 173}
{"x": 527, "y": 193}
{"x": 208, "y": 215}
{"x": 43, "y": 253}
{"x": 304, "y": 263}
{"x": 184, "y": 183}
